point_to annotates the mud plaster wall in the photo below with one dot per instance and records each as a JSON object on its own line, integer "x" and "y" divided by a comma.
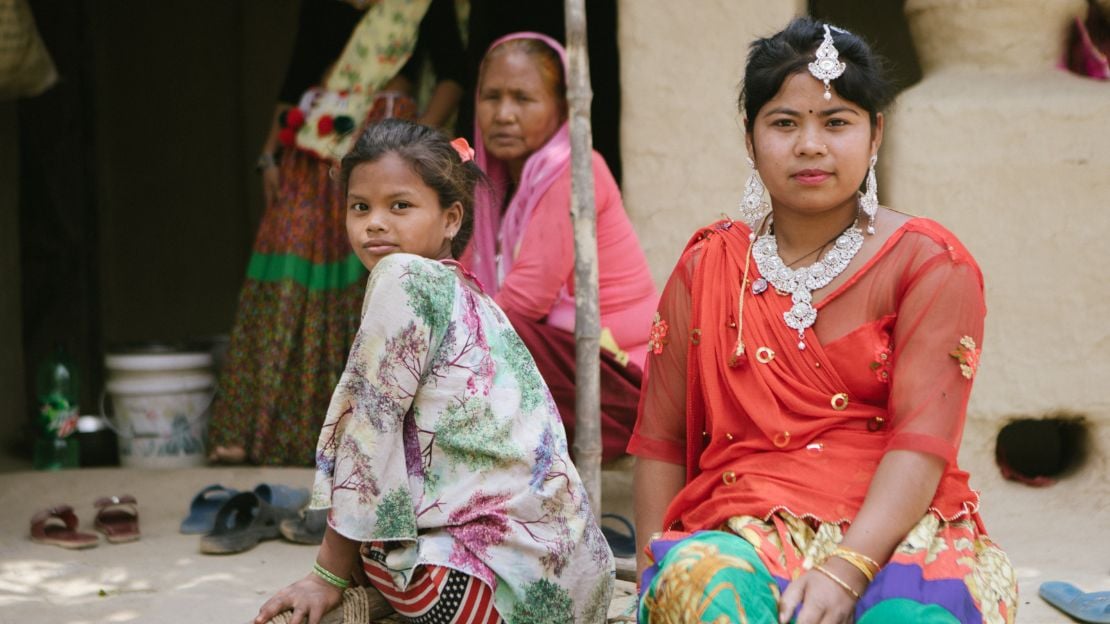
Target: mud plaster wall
{"x": 681, "y": 137}
{"x": 1012, "y": 155}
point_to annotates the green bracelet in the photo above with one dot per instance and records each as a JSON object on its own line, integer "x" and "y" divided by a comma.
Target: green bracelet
{"x": 332, "y": 579}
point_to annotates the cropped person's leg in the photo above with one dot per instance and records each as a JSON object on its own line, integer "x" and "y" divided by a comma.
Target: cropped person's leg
{"x": 710, "y": 576}
{"x": 435, "y": 593}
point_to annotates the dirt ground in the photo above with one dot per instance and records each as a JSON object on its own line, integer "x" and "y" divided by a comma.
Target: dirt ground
{"x": 163, "y": 579}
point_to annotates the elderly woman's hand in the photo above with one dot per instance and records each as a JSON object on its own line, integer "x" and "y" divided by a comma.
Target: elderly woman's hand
{"x": 309, "y": 599}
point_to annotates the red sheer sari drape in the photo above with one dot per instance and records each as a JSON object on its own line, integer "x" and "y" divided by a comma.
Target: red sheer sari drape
{"x": 887, "y": 366}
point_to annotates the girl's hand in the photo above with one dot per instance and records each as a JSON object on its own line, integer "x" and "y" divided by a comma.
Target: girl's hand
{"x": 270, "y": 184}
{"x": 822, "y": 600}
{"x": 309, "y": 599}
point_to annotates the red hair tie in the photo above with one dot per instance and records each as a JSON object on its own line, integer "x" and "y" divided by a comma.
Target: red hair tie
{"x": 466, "y": 153}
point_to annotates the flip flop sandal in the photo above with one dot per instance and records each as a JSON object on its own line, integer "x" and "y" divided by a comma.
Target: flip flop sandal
{"x": 1086, "y": 607}
{"x": 117, "y": 518}
{"x": 623, "y": 545}
{"x": 202, "y": 511}
{"x": 243, "y": 521}
{"x": 308, "y": 528}
{"x": 286, "y": 501}
{"x": 58, "y": 526}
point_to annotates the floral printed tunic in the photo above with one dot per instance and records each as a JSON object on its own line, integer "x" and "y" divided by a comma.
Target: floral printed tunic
{"x": 442, "y": 438}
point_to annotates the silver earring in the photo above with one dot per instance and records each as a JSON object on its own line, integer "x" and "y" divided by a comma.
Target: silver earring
{"x": 752, "y": 206}
{"x": 869, "y": 199}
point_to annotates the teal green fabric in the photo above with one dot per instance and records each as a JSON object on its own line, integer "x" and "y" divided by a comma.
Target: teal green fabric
{"x": 715, "y": 574}
{"x": 324, "y": 276}
{"x": 905, "y": 610}
{"x": 737, "y": 582}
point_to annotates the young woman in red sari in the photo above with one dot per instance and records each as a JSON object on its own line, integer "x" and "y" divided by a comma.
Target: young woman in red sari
{"x": 808, "y": 380}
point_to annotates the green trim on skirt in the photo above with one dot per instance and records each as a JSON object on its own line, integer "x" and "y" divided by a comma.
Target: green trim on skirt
{"x": 324, "y": 276}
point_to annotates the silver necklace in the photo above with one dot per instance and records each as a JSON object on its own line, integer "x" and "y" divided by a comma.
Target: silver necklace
{"x": 800, "y": 283}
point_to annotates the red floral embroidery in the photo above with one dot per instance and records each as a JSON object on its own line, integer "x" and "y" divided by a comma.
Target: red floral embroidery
{"x": 658, "y": 336}
{"x": 881, "y": 365}
{"x": 967, "y": 354}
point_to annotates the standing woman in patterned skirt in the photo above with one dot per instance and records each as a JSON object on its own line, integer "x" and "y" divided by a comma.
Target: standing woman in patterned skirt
{"x": 299, "y": 307}
{"x": 801, "y": 416}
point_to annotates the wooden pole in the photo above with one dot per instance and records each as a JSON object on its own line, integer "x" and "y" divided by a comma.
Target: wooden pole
{"x": 587, "y": 325}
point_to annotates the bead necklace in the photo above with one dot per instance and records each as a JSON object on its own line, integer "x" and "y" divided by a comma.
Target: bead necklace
{"x": 800, "y": 283}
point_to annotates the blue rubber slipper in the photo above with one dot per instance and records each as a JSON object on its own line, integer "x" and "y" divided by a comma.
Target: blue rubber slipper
{"x": 623, "y": 545}
{"x": 202, "y": 511}
{"x": 241, "y": 523}
{"x": 286, "y": 501}
{"x": 1091, "y": 607}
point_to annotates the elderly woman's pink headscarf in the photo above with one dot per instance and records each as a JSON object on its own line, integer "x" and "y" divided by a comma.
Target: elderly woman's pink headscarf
{"x": 540, "y": 171}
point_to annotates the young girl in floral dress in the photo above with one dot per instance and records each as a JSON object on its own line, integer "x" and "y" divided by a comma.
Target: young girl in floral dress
{"x": 442, "y": 458}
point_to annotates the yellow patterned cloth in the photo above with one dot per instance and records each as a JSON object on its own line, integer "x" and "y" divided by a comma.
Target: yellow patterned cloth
{"x": 380, "y": 45}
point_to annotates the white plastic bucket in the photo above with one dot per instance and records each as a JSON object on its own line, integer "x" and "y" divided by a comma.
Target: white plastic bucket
{"x": 160, "y": 405}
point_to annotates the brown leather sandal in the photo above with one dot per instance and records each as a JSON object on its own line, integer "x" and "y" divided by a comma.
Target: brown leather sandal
{"x": 117, "y": 518}
{"x": 58, "y": 526}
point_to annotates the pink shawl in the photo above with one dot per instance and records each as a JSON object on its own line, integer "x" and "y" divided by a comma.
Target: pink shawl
{"x": 540, "y": 171}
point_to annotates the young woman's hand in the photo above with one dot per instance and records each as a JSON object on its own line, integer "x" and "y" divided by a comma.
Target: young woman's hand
{"x": 309, "y": 599}
{"x": 822, "y": 600}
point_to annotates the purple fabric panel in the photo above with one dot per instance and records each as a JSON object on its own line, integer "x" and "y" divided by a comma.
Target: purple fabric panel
{"x": 906, "y": 581}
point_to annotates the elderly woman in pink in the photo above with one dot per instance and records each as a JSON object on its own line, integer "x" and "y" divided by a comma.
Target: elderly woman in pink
{"x": 523, "y": 247}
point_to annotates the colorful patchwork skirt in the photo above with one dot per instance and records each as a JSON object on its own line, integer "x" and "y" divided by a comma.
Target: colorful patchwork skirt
{"x": 298, "y": 313}
{"x": 943, "y": 572}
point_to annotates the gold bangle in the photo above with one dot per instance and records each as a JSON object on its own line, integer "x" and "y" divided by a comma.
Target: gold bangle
{"x": 857, "y": 564}
{"x": 836, "y": 579}
{"x": 866, "y": 565}
{"x": 844, "y": 550}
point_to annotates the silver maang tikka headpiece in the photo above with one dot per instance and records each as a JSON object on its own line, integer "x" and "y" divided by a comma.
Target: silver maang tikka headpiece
{"x": 827, "y": 65}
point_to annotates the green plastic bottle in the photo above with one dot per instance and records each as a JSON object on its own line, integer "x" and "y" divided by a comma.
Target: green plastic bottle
{"x": 56, "y": 421}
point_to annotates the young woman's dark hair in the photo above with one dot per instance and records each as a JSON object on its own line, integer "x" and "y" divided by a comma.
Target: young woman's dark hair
{"x": 430, "y": 154}
{"x": 771, "y": 60}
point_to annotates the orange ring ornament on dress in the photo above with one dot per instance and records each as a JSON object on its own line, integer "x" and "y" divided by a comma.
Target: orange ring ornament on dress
{"x": 764, "y": 355}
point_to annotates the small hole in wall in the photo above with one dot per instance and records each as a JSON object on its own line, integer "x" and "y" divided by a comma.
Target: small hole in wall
{"x": 1040, "y": 451}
